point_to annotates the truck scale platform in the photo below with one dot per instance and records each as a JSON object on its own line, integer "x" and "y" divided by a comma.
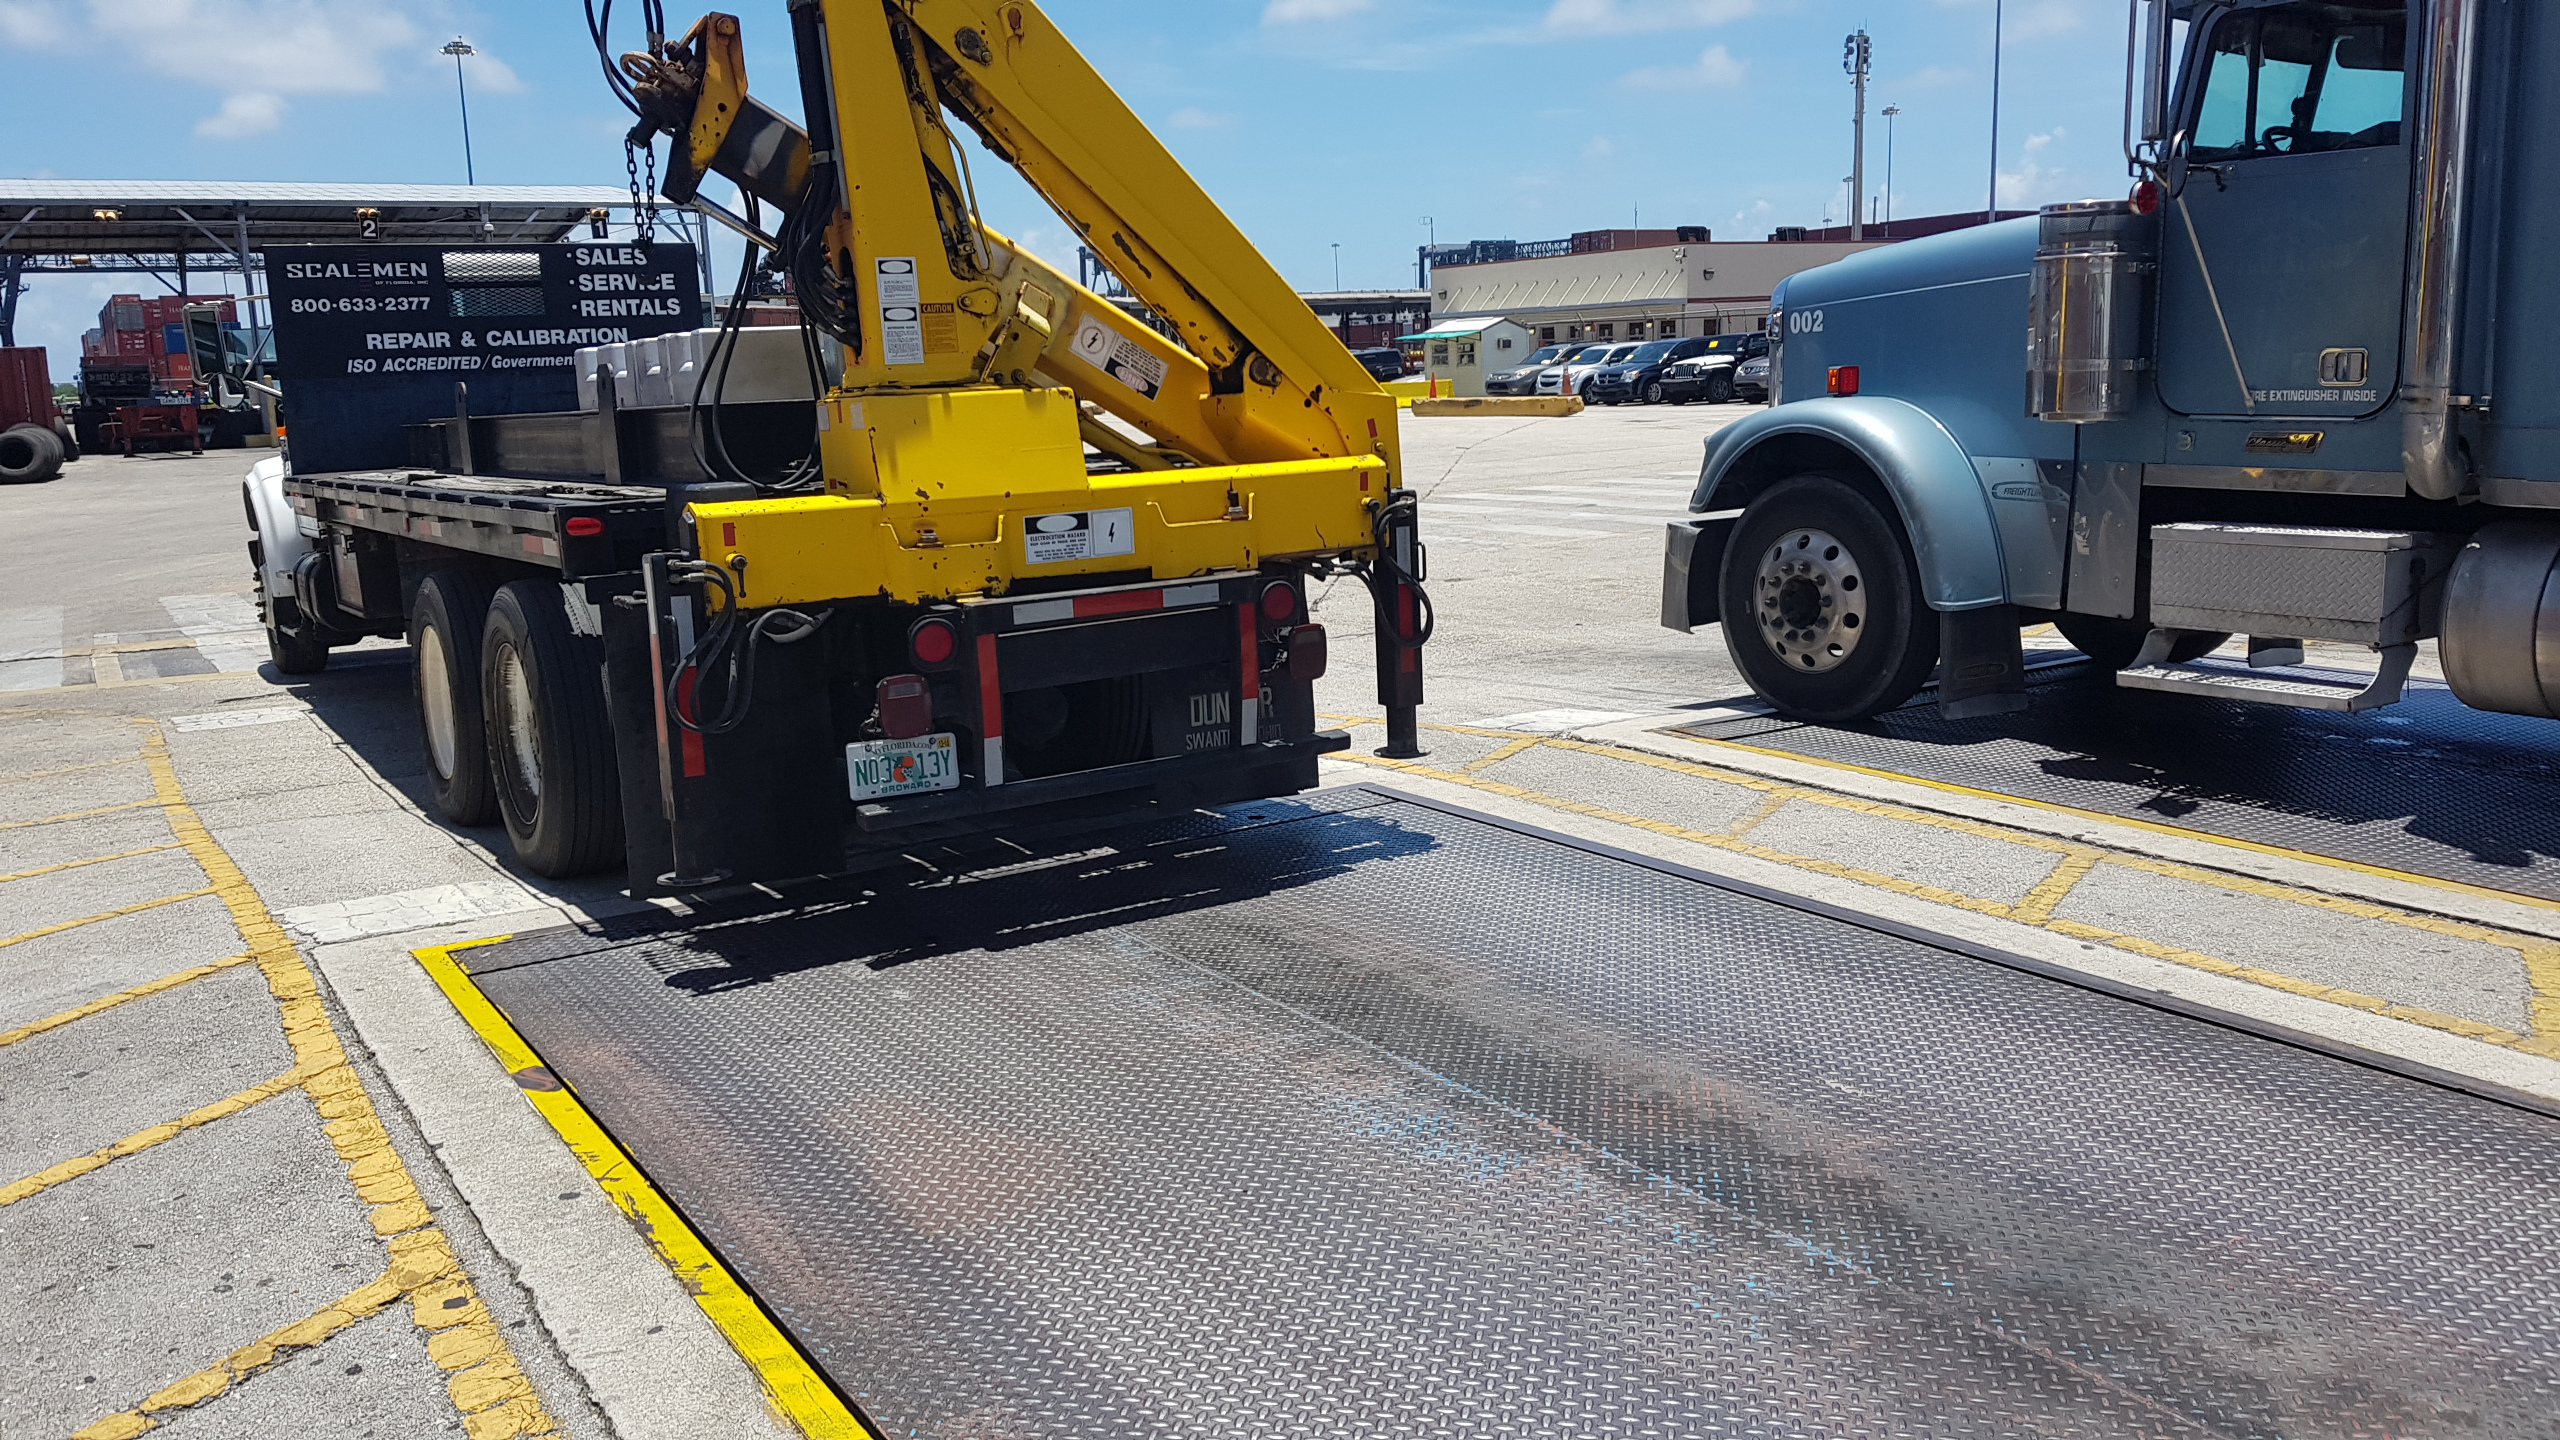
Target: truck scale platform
{"x": 1352, "y": 1115}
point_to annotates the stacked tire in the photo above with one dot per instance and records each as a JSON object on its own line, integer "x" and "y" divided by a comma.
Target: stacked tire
{"x": 30, "y": 455}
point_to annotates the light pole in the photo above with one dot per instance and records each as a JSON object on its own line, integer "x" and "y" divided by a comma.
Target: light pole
{"x": 1337, "y": 267}
{"x": 457, "y": 50}
{"x": 1890, "y": 111}
{"x": 1857, "y": 56}
{"x": 1422, "y": 261}
{"x": 1991, "y": 215}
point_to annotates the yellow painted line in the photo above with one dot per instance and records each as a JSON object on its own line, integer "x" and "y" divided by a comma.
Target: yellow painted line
{"x": 80, "y": 815}
{"x": 141, "y": 1140}
{"x": 119, "y": 912}
{"x": 105, "y": 1003}
{"x": 2541, "y": 958}
{"x": 2038, "y": 906}
{"x": 92, "y": 860}
{"x": 1770, "y": 804}
{"x": 414, "y": 1265}
{"x": 488, "y": 1388}
{"x": 1525, "y": 742}
{"x": 2155, "y": 827}
{"x": 791, "y": 1382}
{"x": 68, "y": 770}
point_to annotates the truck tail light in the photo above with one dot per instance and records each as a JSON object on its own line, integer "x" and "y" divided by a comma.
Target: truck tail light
{"x": 2146, "y": 198}
{"x": 1303, "y": 654}
{"x": 905, "y": 706}
{"x": 1280, "y": 602}
{"x": 933, "y": 642}
{"x": 1844, "y": 379}
{"x": 584, "y": 526}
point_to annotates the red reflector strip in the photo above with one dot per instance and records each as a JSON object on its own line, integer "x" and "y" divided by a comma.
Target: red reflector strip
{"x": 1252, "y": 652}
{"x": 990, "y": 690}
{"x": 729, "y": 533}
{"x": 541, "y": 545}
{"x": 1118, "y": 602}
{"x": 697, "y": 762}
{"x": 584, "y": 525}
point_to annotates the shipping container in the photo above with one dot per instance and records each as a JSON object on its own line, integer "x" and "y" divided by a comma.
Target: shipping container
{"x": 26, "y": 387}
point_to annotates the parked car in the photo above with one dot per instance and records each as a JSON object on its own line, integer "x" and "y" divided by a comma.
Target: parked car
{"x": 1573, "y": 377}
{"x": 1712, "y": 376}
{"x": 1639, "y": 376}
{"x": 1524, "y": 379}
{"x": 1751, "y": 380}
{"x": 1386, "y": 362}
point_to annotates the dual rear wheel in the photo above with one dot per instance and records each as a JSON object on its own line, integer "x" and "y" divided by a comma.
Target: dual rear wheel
{"x": 511, "y": 710}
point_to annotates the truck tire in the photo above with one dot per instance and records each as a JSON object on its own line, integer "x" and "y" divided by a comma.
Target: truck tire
{"x": 70, "y": 439}
{"x": 29, "y": 455}
{"x": 2113, "y": 643}
{"x": 1720, "y": 388}
{"x": 551, "y": 754}
{"x": 1822, "y": 603}
{"x": 445, "y": 623}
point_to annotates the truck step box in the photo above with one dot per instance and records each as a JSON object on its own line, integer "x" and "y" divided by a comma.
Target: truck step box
{"x": 2369, "y": 587}
{"x": 2301, "y": 692}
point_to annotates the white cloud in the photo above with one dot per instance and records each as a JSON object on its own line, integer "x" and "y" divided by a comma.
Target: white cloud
{"x": 255, "y": 54}
{"x": 1600, "y": 147}
{"x": 1631, "y": 17}
{"x": 1191, "y": 117}
{"x": 33, "y": 24}
{"x": 250, "y": 112}
{"x": 2033, "y": 182}
{"x": 1714, "y": 70}
{"x": 1294, "y": 12}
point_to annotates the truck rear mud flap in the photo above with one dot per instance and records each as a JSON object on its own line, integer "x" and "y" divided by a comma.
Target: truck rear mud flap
{"x": 1352, "y": 1115}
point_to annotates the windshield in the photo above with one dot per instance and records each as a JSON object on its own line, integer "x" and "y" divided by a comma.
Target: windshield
{"x": 1620, "y": 353}
{"x": 1647, "y": 354}
{"x": 1727, "y": 344}
{"x": 1588, "y": 352}
{"x": 2300, "y": 79}
{"x": 1545, "y": 354}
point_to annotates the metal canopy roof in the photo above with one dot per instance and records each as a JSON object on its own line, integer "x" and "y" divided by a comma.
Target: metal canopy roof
{"x": 168, "y": 217}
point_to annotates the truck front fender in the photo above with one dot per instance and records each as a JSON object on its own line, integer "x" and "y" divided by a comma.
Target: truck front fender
{"x": 275, "y": 531}
{"x": 1932, "y": 483}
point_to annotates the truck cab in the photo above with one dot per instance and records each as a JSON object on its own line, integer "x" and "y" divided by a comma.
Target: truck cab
{"x": 2260, "y": 396}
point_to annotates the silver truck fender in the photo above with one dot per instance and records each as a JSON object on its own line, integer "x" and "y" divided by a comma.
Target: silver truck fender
{"x": 281, "y": 543}
{"x": 1932, "y": 481}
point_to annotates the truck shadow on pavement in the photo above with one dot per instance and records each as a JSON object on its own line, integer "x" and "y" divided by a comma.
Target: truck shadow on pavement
{"x": 2429, "y": 786}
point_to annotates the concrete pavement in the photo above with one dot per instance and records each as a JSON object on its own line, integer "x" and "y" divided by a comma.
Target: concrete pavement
{"x": 222, "y": 1065}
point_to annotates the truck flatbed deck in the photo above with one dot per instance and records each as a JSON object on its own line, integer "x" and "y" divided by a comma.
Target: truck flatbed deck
{"x": 1350, "y": 1115}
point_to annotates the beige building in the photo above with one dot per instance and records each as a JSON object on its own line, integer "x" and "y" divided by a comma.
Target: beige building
{"x": 1700, "y": 287}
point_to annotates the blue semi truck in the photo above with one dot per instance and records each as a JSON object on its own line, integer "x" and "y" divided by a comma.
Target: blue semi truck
{"x": 2296, "y": 386}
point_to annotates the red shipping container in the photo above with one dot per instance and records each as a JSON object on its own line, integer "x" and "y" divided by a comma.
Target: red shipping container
{"x": 26, "y": 388}
{"x": 123, "y": 313}
{"x": 133, "y": 344}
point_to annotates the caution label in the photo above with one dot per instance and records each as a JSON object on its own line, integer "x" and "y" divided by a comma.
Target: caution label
{"x": 1079, "y": 535}
{"x": 1119, "y": 357}
{"x": 901, "y": 316}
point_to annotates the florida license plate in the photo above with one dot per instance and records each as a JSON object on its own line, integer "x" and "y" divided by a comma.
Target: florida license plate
{"x": 902, "y": 767}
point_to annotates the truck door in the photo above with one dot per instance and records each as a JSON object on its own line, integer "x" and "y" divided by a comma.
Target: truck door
{"x": 2297, "y": 183}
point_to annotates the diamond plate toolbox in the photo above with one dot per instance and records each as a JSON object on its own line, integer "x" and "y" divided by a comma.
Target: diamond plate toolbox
{"x": 2371, "y": 587}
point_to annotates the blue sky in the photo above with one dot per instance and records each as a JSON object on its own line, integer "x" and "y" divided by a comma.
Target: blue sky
{"x": 1315, "y": 122}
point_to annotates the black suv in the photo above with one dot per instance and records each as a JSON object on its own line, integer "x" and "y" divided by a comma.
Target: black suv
{"x": 1385, "y": 362}
{"x": 1639, "y": 376}
{"x": 1715, "y": 376}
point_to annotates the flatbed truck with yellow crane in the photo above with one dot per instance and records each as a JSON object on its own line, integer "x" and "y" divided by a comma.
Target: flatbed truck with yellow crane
{"x": 1042, "y": 561}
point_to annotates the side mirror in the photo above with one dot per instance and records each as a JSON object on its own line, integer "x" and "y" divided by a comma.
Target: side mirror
{"x": 2173, "y": 165}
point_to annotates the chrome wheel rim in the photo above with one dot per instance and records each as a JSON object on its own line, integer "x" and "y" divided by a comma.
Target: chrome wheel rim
{"x": 435, "y": 701}
{"x": 1811, "y": 601}
{"x": 515, "y": 702}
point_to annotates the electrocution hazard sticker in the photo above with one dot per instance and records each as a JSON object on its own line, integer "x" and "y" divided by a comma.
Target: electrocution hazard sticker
{"x": 1119, "y": 357}
{"x": 1079, "y": 535}
{"x": 901, "y": 312}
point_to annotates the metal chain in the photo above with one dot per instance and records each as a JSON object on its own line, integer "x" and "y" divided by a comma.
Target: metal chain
{"x": 644, "y": 205}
